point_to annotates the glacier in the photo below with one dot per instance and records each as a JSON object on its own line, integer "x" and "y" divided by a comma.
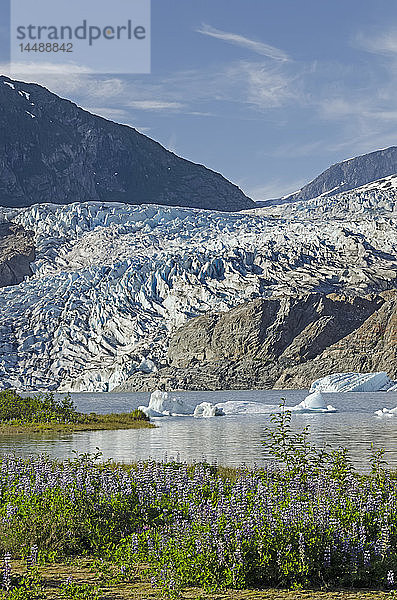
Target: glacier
{"x": 111, "y": 281}
{"x": 386, "y": 413}
{"x": 353, "y": 382}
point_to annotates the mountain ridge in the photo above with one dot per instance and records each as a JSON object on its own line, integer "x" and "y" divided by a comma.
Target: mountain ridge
{"x": 51, "y": 150}
{"x": 344, "y": 176}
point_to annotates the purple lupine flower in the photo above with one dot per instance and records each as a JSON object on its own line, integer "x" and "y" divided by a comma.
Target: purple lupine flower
{"x": 7, "y": 572}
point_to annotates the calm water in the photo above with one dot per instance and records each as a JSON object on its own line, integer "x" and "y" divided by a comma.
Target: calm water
{"x": 229, "y": 440}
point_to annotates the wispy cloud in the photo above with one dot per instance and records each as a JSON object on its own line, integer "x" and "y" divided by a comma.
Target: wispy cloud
{"x": 156, "y": 105}
{"x": 239, "y": 40}
{"x": 35, "y": 69}
{"x": 384, "y": 42}
{"x": 275, "y": 188}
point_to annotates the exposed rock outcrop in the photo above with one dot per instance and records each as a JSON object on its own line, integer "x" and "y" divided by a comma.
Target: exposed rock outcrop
{"x": 280, "y": 342}
{"x": 16, "y": 253}
{"x": 53, "y": 151}
{"x": 370, "y": 347}
{"x": 349, "y": 174}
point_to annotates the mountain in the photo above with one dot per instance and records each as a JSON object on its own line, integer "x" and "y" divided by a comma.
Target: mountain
{"x": 377, "y": 199}
{"x": 112, "y": 283}
{"x": 280, "y": 342}
{"x": 53, "y": 151}
{"x": 16, "y": 254}
{"x": 346, "y": 175}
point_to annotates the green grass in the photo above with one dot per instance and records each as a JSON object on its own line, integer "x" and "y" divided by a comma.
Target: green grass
{"x": 43, "y": 413}
{"x": 97, "y": 579}
{"x": 95, "y": 423}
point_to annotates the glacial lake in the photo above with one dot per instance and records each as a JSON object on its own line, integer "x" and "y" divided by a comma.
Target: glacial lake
{"x": 228, "y": 440}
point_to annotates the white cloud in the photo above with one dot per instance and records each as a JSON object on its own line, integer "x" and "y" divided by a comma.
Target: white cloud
{"x": 263, "y": 86}
{"x": 156, "y": 105}
{"x": 275, "y": 188}
{"x": 239, "y": 40}
{"x": 384, "y": 42}
{"x": 42, "y": 69}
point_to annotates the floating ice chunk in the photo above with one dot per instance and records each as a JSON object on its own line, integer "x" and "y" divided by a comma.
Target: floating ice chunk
{"x": 161, "y": 405}
{"x": 386, "y": 412}
{"x": 149, "y": 412}
{"x": 244, "y": 407}
{"x": 313, "y": 403}
{"x": 352, "y": 382}
{"x": 207, "y": 409}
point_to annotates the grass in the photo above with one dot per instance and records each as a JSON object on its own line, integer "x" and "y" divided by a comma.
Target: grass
{"x": 43, "y": 413}
{"x": 94, "y": 422}
{"x": 84, "y": 572}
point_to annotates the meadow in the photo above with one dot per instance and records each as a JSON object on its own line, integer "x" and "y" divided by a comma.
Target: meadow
{"x": 88, "y": 529}
{"x": 45, "y": 413}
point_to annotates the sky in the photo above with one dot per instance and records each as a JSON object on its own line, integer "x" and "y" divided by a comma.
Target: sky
{"x": 267, "y": 92}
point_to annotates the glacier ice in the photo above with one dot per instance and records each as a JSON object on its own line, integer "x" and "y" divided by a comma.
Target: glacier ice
{"x": 111, "y": 281}
{"x": 245, "y": 407}
{"x": 313, "y": 403}
{"x": 162, "y": 405}
{"x": 207, "y": 409}
{"x": 386, "y": 412}
{"x": 352, "y": 382}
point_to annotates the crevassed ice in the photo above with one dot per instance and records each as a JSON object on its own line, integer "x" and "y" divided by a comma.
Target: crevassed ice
{"x": 111, "y": 281}
{"x": 353, "y": 382}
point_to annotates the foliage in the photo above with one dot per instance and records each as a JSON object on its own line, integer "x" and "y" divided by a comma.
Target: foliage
{"x": 38, "y": 409}
{"x": 45, "y": 412}
{"x": 79, "y": 591}
{"x": 315, "y": 523}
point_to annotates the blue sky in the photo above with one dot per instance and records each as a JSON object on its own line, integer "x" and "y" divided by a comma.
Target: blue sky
{"x": 269, "y": 93}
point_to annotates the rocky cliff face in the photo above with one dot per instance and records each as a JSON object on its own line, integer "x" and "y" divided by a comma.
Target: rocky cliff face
{"x": 348, "y": 174}
{"x": 53, "y": 151}
{"x": 16, "y": 254}
{"x": 370, "y": 347}
{"x": 280, "y": 342}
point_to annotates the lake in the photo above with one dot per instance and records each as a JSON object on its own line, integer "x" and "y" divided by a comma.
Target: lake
{"x": 228, "y": 440}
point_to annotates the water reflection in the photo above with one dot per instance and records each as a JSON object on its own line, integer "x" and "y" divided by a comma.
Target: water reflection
{"x": 228, "y": 440}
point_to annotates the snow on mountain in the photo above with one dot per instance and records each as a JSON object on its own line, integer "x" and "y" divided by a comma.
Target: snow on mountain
{"x": 348, "y": 175}
{"x": 378, "y": 198}
{"x": 111, "y": 281}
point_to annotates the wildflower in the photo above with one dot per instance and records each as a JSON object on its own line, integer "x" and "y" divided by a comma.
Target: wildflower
{"x": 7, "y": 572}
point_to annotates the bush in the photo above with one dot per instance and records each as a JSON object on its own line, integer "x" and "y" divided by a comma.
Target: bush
{"x": 41, "y": 408}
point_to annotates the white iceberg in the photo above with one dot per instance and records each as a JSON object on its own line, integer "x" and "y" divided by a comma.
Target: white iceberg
{"x": 245, "y": 407}
{"x": 313, "y": 403}
{"x": 206, "y": 409}
{"x": 161, "y": 405}
{"x": 387, "y": 412}
{"x": 353, "y": 382}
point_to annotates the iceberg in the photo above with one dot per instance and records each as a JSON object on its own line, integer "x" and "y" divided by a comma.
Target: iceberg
{"x": 353, "y": 382}
{"x": 207, "y": 409}
{"x": 387, "y": 412}
{"x": 161, "y": 405}
{"x": 245, "y": 407}
{"x": 313, "y": 403}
